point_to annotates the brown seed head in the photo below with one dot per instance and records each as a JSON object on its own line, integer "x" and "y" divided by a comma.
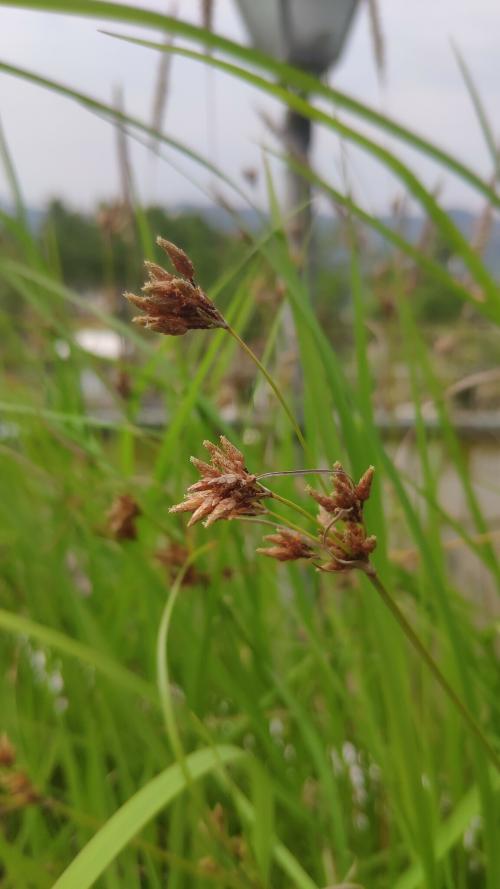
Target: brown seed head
{"x": 173, "y": 305}
{"x": 364, "y": 485}
{"x": 349, "y": 548}
{"x": 18, "y": 788}
{"x": 218, "y": 817}
{"x": 172, "y": 557}
{"x": 287, "y": 546}
{"x": 7, "y": 751}
{"x": 239, "y": 847}
{"x": 347, "y": 499}
{"x": 226, "y": 489}
{"x": 113, "y": 218}
{"x": 208, "y": 865}
{"x": 122, "y": 518}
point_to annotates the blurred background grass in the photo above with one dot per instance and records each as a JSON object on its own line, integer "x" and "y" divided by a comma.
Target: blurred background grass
{"x": 326, "y": 752}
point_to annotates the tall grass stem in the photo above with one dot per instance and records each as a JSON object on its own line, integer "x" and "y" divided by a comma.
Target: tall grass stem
{"x": 433, "y": 667}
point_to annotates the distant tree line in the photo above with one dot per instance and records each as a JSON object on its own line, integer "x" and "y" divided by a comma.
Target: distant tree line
{"x": 108, "y": 248}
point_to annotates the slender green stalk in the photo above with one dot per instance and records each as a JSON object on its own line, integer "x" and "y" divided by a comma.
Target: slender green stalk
{"x": 274, "y": 386}
{"x": 433, "y": 667}
{"x": 294, "y": 506}
{"x": 163, "y": 674}
{"x": 293, "y": 527}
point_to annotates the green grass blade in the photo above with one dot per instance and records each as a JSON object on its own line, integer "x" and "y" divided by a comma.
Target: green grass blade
{"x": 18, "y": 625}
{"x": 487, "y": 129}
{"x": 440, "y": 218}
{"x": 130, "y": 819}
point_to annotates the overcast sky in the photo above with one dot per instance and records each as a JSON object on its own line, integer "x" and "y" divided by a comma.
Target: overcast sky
{"x": 61, "y": 149}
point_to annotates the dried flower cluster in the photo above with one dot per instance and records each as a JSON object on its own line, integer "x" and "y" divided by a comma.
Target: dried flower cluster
{"x": 172, "y": 557}
{"x": 226, "y": 489}
{"x": 350, "y": 547}
{"x": 287, "y": 546}
{"x": 7, "y": 752}
{"x": 217, "y": 828}
{"x": 16, "y": 789}
{"x": 114, "y": 218}
{"x": 122, "y": 518}
{"x": 347, "y": 499}
{"x": 174, "y": 304}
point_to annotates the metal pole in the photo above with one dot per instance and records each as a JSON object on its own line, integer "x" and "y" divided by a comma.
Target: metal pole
{"x": 297, "y": 137}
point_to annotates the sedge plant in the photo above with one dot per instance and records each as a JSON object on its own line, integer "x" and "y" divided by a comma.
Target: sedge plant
{"x": 173, "y": 305}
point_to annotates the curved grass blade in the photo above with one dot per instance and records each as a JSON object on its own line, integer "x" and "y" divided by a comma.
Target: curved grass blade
{"x": 129, "y": 820}
{"x": 24, "y": 626}
{"x": 448, "y": 834}
{"x": 440, "y": 218}
{"x": 115, "y": 115}
{"x": 487, "y": 130}
{"x": 438, "y": 272}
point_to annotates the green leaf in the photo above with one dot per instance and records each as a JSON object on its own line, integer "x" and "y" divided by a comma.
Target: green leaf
{"x": 448, "y": 834}
{"x": 126, "y": 823}
{"x": 23, "y": 626}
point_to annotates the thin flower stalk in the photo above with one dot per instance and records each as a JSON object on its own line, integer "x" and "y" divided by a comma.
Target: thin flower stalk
{"x": 274, "y": 386}
{"x": 435, "y": 670}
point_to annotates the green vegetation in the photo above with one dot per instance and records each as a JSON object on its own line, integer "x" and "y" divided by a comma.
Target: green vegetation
{"x": 184, "y": 711}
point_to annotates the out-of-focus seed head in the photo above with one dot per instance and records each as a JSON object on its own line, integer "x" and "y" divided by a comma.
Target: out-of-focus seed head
{"x": 7, "y": 751}
{"x": 18, "y": 790}
{"x": 172, "y": 557}
{"x": 122, "y": 518}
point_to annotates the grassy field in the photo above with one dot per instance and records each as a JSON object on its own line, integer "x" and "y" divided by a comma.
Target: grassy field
{"x": 188, "y": 713}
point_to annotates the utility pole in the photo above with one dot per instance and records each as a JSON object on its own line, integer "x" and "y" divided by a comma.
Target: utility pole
{"x": 309, "y": 34}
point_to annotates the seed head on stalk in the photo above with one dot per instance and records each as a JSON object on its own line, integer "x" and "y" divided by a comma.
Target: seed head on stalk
{"x": 226, "y": 489}
{"x": 174, "y": 304}
{"x": 287, "y": 546}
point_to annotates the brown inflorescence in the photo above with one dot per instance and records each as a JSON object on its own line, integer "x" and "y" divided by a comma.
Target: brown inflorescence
{"x": 347, "y": 499}
{"x": 287, "y": 546}
{"x": 226, "y": 489}
{"x": 349, "y": 548}
{"x": 7, "y": 751}
{"x": 122, "y": 518}
{"x": 17, "y": 790}
{"x": 173, "y": 304}
{"x": 173, "y": 557}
